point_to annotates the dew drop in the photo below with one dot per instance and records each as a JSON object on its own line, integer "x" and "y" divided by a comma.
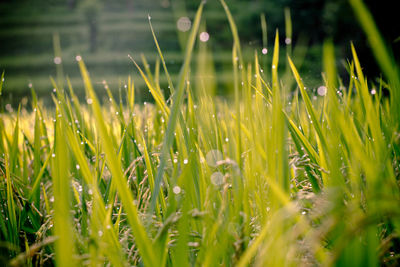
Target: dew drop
{"x": 176, "y": 190}
{"x": 264, "y": 51}
{"x": 204, "y": 37}
{"x": 322, "y": 90}
{"x": 57, "y": 60}
{"x": 217, "y": 178}
{"x": 183, "y": 24}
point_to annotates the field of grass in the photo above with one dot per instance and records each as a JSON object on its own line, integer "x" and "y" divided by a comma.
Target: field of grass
{"x": 275, "y": 175}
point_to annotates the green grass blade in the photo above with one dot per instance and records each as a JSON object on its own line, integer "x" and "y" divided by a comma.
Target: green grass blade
{"x": 177, "y": 101}
{"x": 381, "y": 52}
{"x": 170, "y": 84}
{"x": 64, "y": 246}
{"x": 142, "y": 240}
{"x": 310, "y": 109}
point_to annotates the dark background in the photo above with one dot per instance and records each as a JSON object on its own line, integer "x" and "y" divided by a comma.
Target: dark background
{"x": 105, "y": 31}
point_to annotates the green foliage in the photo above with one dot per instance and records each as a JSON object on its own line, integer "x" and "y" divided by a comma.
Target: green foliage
{"x": 278, "y": 176}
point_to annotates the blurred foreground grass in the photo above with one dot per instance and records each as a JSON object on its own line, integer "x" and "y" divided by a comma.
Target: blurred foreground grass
{"x": 272, "y": 177}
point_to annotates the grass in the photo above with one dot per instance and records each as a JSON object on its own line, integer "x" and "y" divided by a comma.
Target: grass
{"x": 276, "y": 176}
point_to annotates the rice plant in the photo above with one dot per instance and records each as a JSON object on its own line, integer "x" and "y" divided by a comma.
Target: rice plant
{"x": 277, "y": 176}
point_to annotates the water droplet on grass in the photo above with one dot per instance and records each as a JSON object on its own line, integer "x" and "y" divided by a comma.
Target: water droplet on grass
{"x": 322, "y": 90}
{"x": 57, "y": 60}
{"x": 176, "y": 190}
{"x": 183, "y": 24}
{"x": 204, "y": 36}
{"x": 264, "y": 51}
{"x": 217, "y": 178}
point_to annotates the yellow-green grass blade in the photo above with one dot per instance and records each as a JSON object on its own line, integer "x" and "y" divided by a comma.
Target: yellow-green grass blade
{"x": 150, "y": 171}
{"x": 170, "y": 84}
{"x": 237, "y": 57}
{"x": 275, "y": 60}
{"x": 371, "y": 115}
{"x": 288, "y": 31}
{"x": 384, "y": 58}
{"x": 58, "y": 60}
{"x": 236, "y": 40}
{"x": 38, "y": 177}
{"x": 330, "y": 69}
{"x": 13, "y": 146}
{"x": 64, "y": 246}
{"x": 158, "y": 97}
{"x": 35, "y": 192}
{"x": 304, "y": 141}
{"x": 11, "y": 207}
{"x": 277, "y": 149}
{"x": 264, "y": 31}
{"x": 131, "y": 94}
{"x": 177, "y": 100}
{"x": 114, "y": 249}
{"x": 310, "y": 109}
{"x": 143, "y": 242}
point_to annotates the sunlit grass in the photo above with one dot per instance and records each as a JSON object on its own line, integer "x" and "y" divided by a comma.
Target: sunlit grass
{"x": 276, "y": 176}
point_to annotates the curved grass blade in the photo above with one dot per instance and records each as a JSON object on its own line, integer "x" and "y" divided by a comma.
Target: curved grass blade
{"x": 143, "y": 242}
{"x": 64, "y": 246}
{"x": 310, "y": 109}
{"x": 177, "y": 101}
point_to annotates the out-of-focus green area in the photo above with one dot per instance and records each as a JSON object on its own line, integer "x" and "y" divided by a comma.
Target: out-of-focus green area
{"x": 104, "y": 32}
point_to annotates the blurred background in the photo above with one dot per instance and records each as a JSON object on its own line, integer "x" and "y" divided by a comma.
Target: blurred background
{"x": 39, "y": 36}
